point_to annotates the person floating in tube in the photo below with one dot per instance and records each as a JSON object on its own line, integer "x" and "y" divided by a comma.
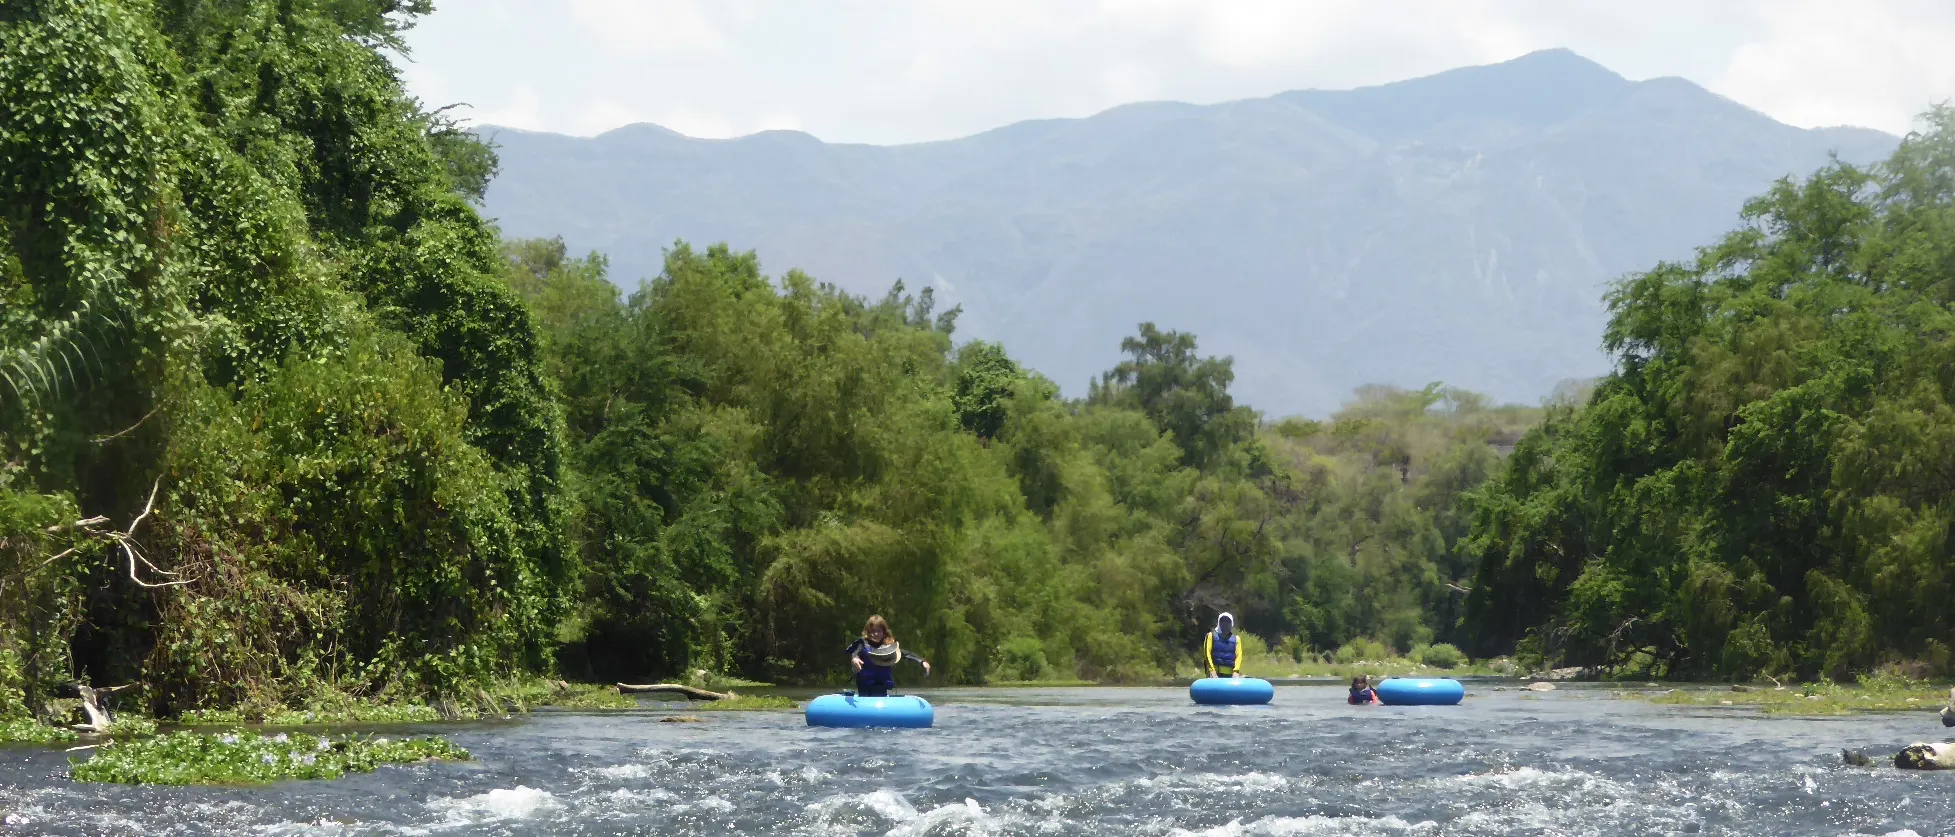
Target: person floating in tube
{"x": 1361, "y": 692}
{"x": 875, "y": 656}
{"x": 1222, "y": 650}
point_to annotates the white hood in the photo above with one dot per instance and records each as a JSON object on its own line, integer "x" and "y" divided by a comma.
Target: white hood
{"x": 1231, "y": 619}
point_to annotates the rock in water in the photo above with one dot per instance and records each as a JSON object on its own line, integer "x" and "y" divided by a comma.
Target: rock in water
{"x": 1926, "y": 756}
{"x": 1540, "y": 687}
{"x": 1857, "y": 758}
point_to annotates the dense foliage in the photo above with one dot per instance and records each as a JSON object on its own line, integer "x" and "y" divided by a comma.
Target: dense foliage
{"x": 1766, "y": 484}
{"x": 284, "y": 425}
{"x": 758, "y": 465}
{"x": 270, "y": 423}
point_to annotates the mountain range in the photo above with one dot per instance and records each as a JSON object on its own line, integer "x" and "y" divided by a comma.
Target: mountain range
{"x": 1460, "y": 227}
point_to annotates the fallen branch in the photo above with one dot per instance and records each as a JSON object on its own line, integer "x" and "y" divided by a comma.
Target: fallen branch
{"x": 99, "y": 718}
{"x": 690, "y": 692}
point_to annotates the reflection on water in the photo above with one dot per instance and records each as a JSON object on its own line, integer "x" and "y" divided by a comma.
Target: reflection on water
{"x": 1083, "y": 762}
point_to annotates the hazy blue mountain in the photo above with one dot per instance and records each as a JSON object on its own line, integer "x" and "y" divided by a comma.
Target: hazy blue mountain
{"x": 1459, "y": 227}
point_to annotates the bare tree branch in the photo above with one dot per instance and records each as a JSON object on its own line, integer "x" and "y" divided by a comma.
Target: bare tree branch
{"x": 88, "y": 523}
{"x": 125, "y": 540}
{"x": 126, "y": 431}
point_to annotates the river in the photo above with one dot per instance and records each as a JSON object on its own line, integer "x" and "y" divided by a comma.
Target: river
{"x": 1087, "y": 761}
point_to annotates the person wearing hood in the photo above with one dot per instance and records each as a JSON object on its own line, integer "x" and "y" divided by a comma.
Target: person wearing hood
{"x": 874, "y": 656}
{"x": 1222, "y": 649}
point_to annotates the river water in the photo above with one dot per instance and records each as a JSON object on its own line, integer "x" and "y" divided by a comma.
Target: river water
{"x": 1090, "y": 761}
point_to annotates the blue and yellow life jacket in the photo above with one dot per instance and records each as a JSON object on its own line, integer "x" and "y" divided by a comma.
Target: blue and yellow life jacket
{"x": 1220, "y": 652}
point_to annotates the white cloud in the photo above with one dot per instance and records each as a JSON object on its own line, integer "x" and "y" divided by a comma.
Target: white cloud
{"x": 521, "y": 107}
{"x": 875, "y": 71}
{"x": 697, "y": 123}
{"x": 604, "y": 115}
{"x": 666, "y": 25}
{"x": 778, "y": 122}
{"x": 1817, "y": 64}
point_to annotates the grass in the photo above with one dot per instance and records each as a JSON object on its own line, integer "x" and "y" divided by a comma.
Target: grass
{"x": 745, "y": 703}
{"x": 1815, "y": 699}
{"x": 723, "y": 682}
{"x": 339, "y": 709}
{"x": 245, "y": 758}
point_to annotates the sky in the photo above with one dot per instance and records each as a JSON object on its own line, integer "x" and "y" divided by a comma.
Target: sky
{"x": 898, "y": 71}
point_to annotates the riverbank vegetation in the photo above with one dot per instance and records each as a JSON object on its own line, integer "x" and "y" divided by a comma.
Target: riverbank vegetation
{"x": 288, "y": 428}
{"x": 1762, "y": 486}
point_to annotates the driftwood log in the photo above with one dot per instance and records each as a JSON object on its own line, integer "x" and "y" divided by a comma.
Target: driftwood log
{"x": 1927, "y": 756}
{"x": 690, "y": 692}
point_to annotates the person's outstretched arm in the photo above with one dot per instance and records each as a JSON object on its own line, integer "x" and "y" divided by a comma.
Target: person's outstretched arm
{"x": 912, "y": 656}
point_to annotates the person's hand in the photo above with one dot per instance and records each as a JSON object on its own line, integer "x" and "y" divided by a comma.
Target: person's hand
{"x": 926, "y": 668}
{"x": 1237, "y": 675}
{"x": 856, "y": 662}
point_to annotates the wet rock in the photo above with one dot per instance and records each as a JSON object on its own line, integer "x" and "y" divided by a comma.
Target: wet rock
{"x": 1740, "y": 687}
{"x": 681, "y": 719}
{"x": 1927, "y": 756}
{"x": 1540, "y": 687}
{"x": 1857, "y": 758}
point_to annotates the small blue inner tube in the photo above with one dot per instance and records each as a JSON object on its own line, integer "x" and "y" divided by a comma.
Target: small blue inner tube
{"x": 1420, "y": 691}
{"x": 1231, "y": 691}
{"x": 908, "y": 711}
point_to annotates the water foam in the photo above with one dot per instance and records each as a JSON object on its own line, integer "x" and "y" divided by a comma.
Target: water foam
{"x": 1313, "y": 826}
{"x": 518, "y": 803}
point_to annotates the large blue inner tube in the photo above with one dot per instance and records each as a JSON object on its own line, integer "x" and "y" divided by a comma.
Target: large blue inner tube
{"x": 1420, "y": 691}
{"x": 1231, "y": 691}
{"x": 852, "y": 711}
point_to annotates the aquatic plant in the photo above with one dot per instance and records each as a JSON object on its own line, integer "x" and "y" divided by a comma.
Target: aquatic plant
{"x": 186, "y": 758}
{"x": 30, "y": 731}
{"x": 350, "y": 712}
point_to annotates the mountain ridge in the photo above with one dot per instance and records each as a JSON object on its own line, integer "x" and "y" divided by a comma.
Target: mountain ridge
{"x": 1460, "y": 226}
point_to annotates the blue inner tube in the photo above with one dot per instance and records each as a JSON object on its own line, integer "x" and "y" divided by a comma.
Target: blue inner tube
{"x": 907, "y": 711}
{"x": 1230, "y": 691}
{"x": 1420, "y": 691}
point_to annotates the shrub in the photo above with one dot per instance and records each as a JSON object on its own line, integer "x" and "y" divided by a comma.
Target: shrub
{"x": 1021, "y": 658}
{"x": 1443, "y": 655}
{"x": 1363, "y": 649}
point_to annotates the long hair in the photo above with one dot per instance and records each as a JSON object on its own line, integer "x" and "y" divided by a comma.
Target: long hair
{"x": 878, "y": 622}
